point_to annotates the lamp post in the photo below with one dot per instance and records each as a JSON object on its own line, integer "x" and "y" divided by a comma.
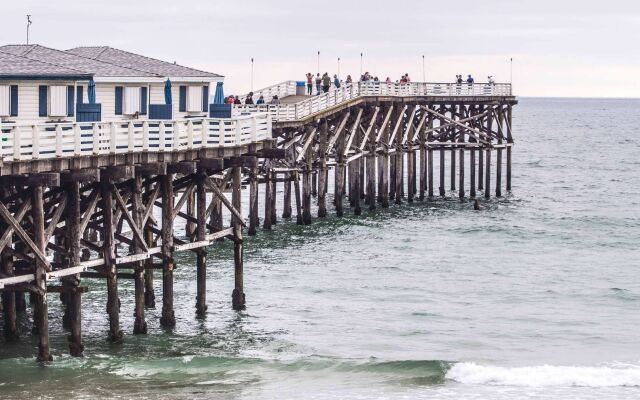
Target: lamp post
{"x": 318, "y": 61}
{"x": 511, "y": 71}
{"x": 361, "y": 55}
{"x": 252, "y": 74}
{"x": 28, "y": 25}
{"x": 424, "y": 73}
{"x": 338, "y": 67}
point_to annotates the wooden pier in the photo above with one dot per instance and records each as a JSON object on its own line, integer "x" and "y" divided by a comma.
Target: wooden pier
{"x": 80, "y": 200}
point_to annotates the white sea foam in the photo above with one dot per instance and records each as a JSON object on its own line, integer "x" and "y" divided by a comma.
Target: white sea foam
{"x": 546, "y": 375}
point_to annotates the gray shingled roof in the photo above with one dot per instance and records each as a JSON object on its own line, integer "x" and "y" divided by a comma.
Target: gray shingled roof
{"x": 18, "y": 67}
{"x": 138, "y": 62}
{"x": 68, "y": 60}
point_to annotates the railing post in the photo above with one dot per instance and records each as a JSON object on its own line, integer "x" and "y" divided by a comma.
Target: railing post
{"x": 35, "y": 140}
{"x": 145, "y": 136}
{"x": 16, "y": 143}
{"x": 161, "y": 136}
{"x": 221, "y": 131}
{"x": 204, "y": 133}
{"x": 254, "y": 129}
{"x": 58, "y": 140}
{"x": 176, "y": 134}
{"x": 112, "y": 138}
{"x": 238, "y": 131}
{"x": 95, "y": 137}
{"x": 77, "y": 136}
{"x": 130, "y": 137}
{"x": 189, "y": 135}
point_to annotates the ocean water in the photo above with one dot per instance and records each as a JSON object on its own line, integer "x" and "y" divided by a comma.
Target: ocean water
{"x": 536, "y": 296}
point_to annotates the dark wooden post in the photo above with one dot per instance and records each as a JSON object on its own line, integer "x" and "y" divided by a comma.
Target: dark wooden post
{"x": 274, "y": 197}
{"x": 268, "y": 203}
{"x": 481, "y": 156}
{"x": 253, "y": 202}
{"x": 168, "y": 318}
{"x": 11, "y": 332}
{"x": 137, "y": 212}
{"x": 510, "y": 144}
{"x": 109, "y": 253}
{"x": 454, "y": 132}
{"x": 461, "y": 156}
{"x": 201, "y": 255}
{"x": 190, "y": 228}
{"x": 322, "y": 169}
{"x": 384, "y": 160}
{"x": 487, "y": 177}
{"x": 238, "y": 299}
{"x": 472, "y": 173}
{"x": 422, "y": 137}
{"x": 306, "y": 183}
{"x": 41, "y": 314}
{"x": 296, "y": 184}
{"x": 442, "y": 181}
{"x": 499, "y": 121}
{"x": 74, "y": 306}
{"x": 286, "y": 206}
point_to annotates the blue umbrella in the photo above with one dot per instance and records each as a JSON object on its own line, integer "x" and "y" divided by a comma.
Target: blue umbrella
{"x": 219, "y": 97}
{"x": 167, "y": 92}
{"x": 91, "y": 92}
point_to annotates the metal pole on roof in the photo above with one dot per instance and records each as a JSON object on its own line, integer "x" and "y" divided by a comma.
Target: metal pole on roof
{"x": 28, "y": 25}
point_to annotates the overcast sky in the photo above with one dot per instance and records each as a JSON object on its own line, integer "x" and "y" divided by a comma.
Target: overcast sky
{"x": 560, "y": 48}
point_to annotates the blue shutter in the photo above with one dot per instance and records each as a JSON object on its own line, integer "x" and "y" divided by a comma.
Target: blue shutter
{"x": 80, "y": 94}
{"x": 42, "y": 100}
{"x": 143, "y": 100}
{"x": 118, "y": 100}
{"x": 14, "y": 100}
{"x": 205, "y": 98}
{"x": 70, "y": 101}
{"x": 182, "y": 107}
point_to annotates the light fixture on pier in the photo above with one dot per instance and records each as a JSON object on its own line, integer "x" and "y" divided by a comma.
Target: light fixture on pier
{"x": 424, "y": 72}
{"x": 318, "y": 61}
{"x": 361, "y": 55}
{"x": 252, "y": 74}
{"x": 28, "y": 25}
{"x": 338, "y": 67}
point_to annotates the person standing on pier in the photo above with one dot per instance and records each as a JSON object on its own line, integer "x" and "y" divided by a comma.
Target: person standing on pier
{"x": 336, "y": 81}
{"x": 249, "y": 98}
{"x": 275, "y": 100}
{"x": 260, "y": 100}
{"x": 237, "y": 100}
{"x": 349, "y": 80}
{"x": 318, "y": 84}
{"x": 326, "y": 82}
{"x": 309, "y": 83}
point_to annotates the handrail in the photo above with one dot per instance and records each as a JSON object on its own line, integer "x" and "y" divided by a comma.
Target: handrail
{"x": 28, "y": 142}
{"x": 315, "y": 104}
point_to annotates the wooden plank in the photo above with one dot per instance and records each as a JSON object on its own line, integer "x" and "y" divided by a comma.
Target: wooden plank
{"x": 384, "y": 124}
{"x": 398, "y": 122}
{"x": 368, "y": 131}
{"x": 338, "y": 132}
{"x": 354, "y": 132}
{"x": 225, "y": 201}
{"x": 55, "y": 218}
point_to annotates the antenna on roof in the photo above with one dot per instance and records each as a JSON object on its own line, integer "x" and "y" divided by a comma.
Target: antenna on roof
{"x": 28, "y": 25}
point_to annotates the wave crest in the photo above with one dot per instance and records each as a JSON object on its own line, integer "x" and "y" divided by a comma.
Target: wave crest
{"x": 545, "y": 375}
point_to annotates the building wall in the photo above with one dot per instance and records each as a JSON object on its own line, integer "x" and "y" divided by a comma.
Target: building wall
{"x": 28, "y": 100}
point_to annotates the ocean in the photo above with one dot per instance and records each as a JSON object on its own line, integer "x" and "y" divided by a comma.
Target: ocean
{"x": 535, "y": 296}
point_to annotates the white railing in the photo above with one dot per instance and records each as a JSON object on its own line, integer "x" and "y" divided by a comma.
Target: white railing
{"x": 283, "y": 89}
{"x": 315, "y": 104}
{"x": 60, "y": 140}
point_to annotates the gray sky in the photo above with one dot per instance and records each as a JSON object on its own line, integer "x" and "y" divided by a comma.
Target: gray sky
{"x": 560, "y": 48}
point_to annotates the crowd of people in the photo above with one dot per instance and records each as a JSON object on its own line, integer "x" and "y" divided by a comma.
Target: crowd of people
{"x": 322, "y": 84}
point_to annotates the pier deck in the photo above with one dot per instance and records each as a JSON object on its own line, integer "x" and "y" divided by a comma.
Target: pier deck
{"x": 77, "y": 200}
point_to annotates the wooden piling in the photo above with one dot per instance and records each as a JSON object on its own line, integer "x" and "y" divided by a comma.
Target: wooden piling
{"x": 108, "y": 244}
{"x": 268, "y": 202}
{"x": 322, "y": 169}
{"x": 296, "y": 184}
{"x": 168, "y": 318}
{"x": 201, "y": 255}
{"x": 11, "y": 333}
{"x": 41, "y": 313}
{"x": 499, "y": 123}
{"x": 253, "y": 202}
{"x": 286, "y": 203}
{"x": 509, "y": 120}
{"x": 72, "y": 282}
{"x": 238, "y": 299}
